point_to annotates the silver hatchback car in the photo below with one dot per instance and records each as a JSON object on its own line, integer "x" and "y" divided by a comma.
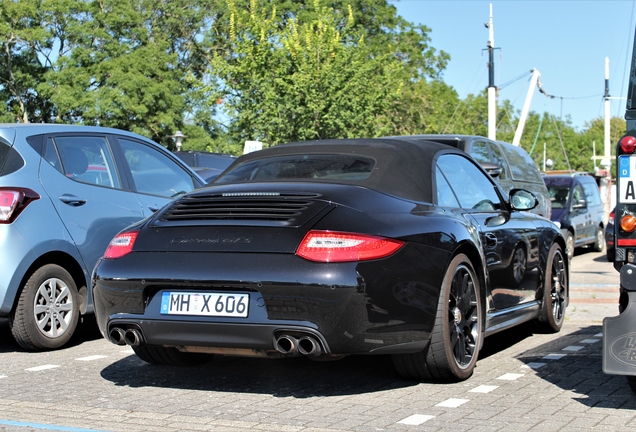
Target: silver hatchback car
{"x": 65, "y": 192}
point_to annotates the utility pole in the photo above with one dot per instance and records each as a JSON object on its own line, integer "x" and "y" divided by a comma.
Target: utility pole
{"x": 492, "y": 90}
{"x": 607, "y": 154}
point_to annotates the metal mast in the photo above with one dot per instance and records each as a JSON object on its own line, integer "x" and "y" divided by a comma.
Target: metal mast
{"x": 492, "y": 90}
{"x": 608, "y": 152}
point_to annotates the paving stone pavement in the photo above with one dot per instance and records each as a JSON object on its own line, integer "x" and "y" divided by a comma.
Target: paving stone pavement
{"x": 524, "y": 380}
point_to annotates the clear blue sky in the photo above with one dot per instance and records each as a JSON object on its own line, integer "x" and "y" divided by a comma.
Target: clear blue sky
{"x": 566, "y": 40}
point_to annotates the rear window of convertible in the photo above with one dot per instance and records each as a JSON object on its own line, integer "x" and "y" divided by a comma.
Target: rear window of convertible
{"x": 335, "y": 167}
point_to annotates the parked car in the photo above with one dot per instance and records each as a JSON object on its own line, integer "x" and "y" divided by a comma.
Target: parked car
{"x": 610, "y": 252}
{"x": 511, "y": 166}
{"x": 578, "y": 209}
{"x": 330, "y": 248}
{"x": 65, "y": 191}
{"x": 207, "y": 165}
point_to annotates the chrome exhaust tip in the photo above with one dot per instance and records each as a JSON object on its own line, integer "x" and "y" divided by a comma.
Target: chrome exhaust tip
{"x": 116, "y": 336}
{"x": 132, "y": 337}
{"x": 286, "y": 344}
{"x": 309, "y": 346}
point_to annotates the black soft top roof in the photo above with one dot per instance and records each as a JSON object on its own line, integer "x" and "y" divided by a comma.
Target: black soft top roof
{"x": 402, "y": 168}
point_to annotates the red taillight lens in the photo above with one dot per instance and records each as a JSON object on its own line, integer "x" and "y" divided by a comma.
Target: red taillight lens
{"x": 13, "y": 201}
{"x": 330, "y": 246}
{"x": 628, "y": 144}
{"x": 121, "y": 245}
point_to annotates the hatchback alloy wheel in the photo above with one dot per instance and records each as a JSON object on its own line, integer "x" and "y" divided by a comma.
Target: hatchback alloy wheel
{"x": 53, "y": 308}
{"x": 47, "y": 312}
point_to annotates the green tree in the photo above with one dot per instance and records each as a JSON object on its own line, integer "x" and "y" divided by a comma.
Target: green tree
{"x": 27, "y": 35}
{"x": 122, "y": 71}
{"x": 283, "y": 80}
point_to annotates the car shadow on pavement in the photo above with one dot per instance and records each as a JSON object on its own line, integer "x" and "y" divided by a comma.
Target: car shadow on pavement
{"x": 507, "y": 338}
{"x": 87, "y": 330}
{"x": 295, "y": 377}
{"x": 579, "y": 372}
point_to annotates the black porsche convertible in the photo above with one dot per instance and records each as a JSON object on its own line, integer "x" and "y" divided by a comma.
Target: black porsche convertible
{"x": 332, "y": 248}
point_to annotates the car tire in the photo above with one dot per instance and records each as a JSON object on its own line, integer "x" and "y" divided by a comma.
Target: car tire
{"x": 569, "y": 245}
{"x": 166, "y": 356}
{"x": 457, "y": 335}
{"x": 555, "y": 291}
{"x": 599, "y": 244}
{"x": 47, "y": 312}
{"x": 517, "y": 269}
{"x": 610, "y": 254}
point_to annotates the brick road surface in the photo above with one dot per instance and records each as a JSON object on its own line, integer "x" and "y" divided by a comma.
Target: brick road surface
{"x": 523, "y": 381}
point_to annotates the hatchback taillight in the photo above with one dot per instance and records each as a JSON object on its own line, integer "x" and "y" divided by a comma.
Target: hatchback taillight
{"x": 13, "y": 201}
{"x": 330, "y": 246}
{"x": 121, "y": 245}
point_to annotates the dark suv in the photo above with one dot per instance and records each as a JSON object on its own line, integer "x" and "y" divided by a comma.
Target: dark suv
{"x": 511, "y": 166}
{"x": 578, "y": 209}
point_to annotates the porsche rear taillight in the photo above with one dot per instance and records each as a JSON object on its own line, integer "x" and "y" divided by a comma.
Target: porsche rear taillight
{"x": 121, "y": 245}
{"x": 13, "y": 201}
{"x": 331, "y": 246}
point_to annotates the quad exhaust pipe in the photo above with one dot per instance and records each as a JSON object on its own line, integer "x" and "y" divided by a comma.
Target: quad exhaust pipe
{"x": 117, "y": 336}
{"x": 305, "y": 345}
{"x": 120, "y": 336}
{"x": 287, "y": 344}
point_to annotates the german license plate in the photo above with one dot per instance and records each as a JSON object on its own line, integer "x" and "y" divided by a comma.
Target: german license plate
{"x": 627, "y": 179}
{"x": 205, "y": 304}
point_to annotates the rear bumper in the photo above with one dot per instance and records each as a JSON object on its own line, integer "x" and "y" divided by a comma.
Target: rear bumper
{"x": 385, "y": 306}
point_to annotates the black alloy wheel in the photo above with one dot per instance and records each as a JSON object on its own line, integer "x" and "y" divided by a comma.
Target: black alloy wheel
{"x": 456, "y": 337}
{"x": 555, "y": 291}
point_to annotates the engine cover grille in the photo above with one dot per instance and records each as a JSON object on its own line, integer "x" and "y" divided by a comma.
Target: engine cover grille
{"x": 248, "y": 208}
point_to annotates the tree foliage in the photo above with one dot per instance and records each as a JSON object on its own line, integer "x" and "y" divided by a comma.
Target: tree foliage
{"x": 224, "y": 71}
{"x": 290, "y": 81}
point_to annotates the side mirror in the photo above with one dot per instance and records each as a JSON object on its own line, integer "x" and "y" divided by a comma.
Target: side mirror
{"x": 492, "y": 169}
{"x": 580, "y": 204}
{"x": 522, "y": 200}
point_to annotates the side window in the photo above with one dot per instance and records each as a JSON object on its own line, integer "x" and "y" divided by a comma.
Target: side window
{"x": 522, "y": 166}
{"x": 592, "y": 193}
{"x": 51, "y": 156}
{"x": 479, "y": 151}
{"x": 471, "y": 186}
{"x": 153, "y": 172}
{"x": 500, "y": 160}
{"x": 86, "y": 159}
{"x": 577, "y": 194}
{"x": 445, "y": 195}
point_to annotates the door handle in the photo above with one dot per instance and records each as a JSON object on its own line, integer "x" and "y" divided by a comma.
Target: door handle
{"x": 72, "y": 200}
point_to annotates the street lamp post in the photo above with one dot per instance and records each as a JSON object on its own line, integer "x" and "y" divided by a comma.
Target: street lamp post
{"x": 178, "y": 137}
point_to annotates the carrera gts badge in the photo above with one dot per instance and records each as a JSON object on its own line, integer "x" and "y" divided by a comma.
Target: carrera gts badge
{"x": 231, "y": 240}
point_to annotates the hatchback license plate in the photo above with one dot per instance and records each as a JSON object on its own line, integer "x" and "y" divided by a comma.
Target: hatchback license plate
{"x": 205, "y": 304}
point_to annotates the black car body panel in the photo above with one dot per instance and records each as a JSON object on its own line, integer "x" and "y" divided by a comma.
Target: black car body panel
{"x": 511, "y": 166}
{"x": 242, "y": 238}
